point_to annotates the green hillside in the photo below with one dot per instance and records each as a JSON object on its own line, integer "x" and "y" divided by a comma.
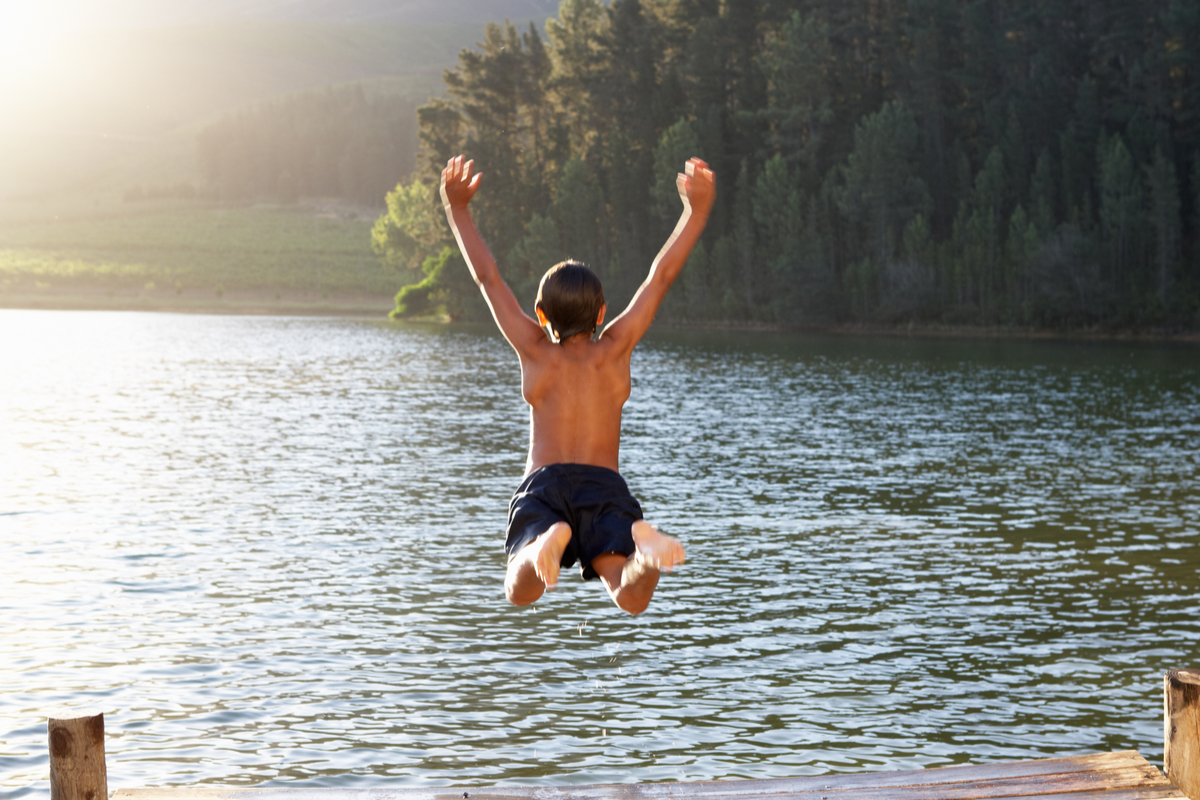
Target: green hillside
{"x": 182, "y": 256}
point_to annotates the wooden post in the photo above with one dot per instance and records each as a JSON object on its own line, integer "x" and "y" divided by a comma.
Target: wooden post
{"x": 77, "y": 770}
{"x": 1181, "y": 730}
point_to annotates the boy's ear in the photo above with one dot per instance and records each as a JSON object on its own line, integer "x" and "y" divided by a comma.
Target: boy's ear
{"x": 541, "y": 315}
{"x": 599, "y": 317}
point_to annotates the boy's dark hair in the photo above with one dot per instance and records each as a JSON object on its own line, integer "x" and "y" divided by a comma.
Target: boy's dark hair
{"x": 570, "y": 295}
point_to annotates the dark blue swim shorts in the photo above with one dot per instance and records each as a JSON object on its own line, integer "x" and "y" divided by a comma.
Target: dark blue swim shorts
{"x": 594, "y": 501}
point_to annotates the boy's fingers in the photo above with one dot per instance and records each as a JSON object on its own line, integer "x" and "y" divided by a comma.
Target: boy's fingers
{"x": 458, "y": 171}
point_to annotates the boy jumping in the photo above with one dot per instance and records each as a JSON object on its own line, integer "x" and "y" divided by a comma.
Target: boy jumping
{"x": 573, "y": 505}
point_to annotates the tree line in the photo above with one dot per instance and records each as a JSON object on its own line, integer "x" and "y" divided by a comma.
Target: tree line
{"x": 340, "y": 142}
{"x": 980, "y": 162}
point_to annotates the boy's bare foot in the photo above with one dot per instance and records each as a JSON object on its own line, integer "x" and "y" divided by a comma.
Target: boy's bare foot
{"x": 545, "y": 552}
{"x": 656, "y": 549}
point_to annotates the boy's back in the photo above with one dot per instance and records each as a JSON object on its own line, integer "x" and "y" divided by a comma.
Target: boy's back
{"x": 575, "y": 393}
{"x": 573, "y": 504}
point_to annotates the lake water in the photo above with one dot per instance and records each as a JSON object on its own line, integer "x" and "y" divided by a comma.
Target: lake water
{"x": 270, "y": 550}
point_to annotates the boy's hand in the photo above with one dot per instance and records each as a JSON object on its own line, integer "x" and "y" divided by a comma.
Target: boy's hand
{"x": 458, "y": 185}
{"x": 697, "y": 186}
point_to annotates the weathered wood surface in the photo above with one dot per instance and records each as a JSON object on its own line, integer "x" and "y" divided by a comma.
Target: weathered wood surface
{"x": 77, "y": 770}
{"x": 1181, "y": 730}
{"x": 1106, "y": 776}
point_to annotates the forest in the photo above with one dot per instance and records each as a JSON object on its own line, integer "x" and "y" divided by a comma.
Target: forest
{"x": 990, "y": 162}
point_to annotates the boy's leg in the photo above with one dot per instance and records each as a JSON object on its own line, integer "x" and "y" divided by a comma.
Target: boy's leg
{"x": 534, "y": 568}
{"x": 631, "y": 580}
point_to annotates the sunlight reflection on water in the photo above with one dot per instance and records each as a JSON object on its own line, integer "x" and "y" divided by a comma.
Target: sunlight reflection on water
{"x": 271, "y": 551}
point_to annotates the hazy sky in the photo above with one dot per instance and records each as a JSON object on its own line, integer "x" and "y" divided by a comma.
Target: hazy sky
{"x": 91, "y": 13}
{"x": 75, "y": 99}
{"x": 31, "y": 31}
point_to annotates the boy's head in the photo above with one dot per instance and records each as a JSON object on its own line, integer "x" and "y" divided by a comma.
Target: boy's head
{"x": 570, "y": 300}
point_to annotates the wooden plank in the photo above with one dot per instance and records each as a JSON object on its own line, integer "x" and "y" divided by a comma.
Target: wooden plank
{"x": 1104, "y": 776}
{"x": 1022, "y": 787}
{"x": 77, "y": 769}
{"x": 1109, "y": 770}
{"x": 1181, "y": 729}
{"x": 617, "y": 792}
{"x": 1140, "y": 793}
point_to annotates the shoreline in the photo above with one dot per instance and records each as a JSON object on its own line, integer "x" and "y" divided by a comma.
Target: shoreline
{"x": 1013, "y": 332}
{"x": 233, "y": 302}
{"x": 262, "y": 304}
{"x": 931, "y": 330}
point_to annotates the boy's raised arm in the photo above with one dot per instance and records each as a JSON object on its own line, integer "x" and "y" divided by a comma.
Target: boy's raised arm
{"x": 697, "y": 190}
{"x": 457, "y": 189}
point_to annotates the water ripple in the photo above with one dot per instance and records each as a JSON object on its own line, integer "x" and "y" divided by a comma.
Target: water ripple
{"x": 270, "y": 550}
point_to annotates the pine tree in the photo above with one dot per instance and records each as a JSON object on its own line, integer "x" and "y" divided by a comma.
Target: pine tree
{"x": 779, "y": 219}
{"x": 1077, "y": 145}
{"x": 880, "y": 188}
{"x": 575, "y": 37}
{"x": 1162, "y": 190}
{"x": 751, "y": 280}
{"x": 1041, "y": 194}
{"x": 443, "y": 131}
{"x": 1196, "y": 216}
{"x": 579, "y": 212}
{"x": 677, "y": 145}
{"x": 1120, "y": 208}
{"x": 799, "y": 107}
{"x": 985, "y": 231}
{"x": 1021, "y": 251}
{"x": 499, "y": 91}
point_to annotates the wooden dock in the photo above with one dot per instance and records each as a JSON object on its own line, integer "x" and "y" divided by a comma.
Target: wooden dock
{"x": 77, "y": 772}
{"x": 1106, "y": 776}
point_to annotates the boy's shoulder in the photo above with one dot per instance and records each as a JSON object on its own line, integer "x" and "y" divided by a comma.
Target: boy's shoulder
{"x": 574, "y": 354}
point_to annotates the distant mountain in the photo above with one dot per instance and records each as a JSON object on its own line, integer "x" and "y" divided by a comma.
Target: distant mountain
{"x": 115, "y": 92}
{"x": 140, "y": 13}
{"x": 400, "y": 11}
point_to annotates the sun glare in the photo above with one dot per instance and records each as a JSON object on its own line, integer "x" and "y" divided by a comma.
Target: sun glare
{"x": 31, "y": 37}
{"x": 39, "y": 39}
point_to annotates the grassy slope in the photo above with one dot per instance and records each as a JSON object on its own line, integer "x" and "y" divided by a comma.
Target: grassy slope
{"x": 293, "y": 251}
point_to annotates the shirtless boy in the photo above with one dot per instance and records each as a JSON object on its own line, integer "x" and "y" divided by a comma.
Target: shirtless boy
{"x": 573, "y": 505}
